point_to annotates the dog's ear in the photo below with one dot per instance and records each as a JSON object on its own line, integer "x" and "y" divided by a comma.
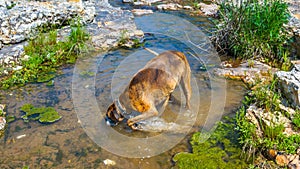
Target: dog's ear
{"x": 113, "y": 116}
{"x": 111, "y": 113}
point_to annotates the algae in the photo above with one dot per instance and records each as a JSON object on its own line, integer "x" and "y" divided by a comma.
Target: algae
{"x": 42, "y": 114}
{"x": 221, "y": 150}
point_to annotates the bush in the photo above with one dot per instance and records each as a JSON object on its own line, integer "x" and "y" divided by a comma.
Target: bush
{"x": 253, "y": 28}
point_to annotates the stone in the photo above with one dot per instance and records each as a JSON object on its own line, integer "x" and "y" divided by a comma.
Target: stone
{"x": 209, "y": 10}
{"x": 139, "y": 3}
{"x": 138, "y": 33}
{"x": 295, "y": 163}
{"x": 170, "y": 6}
{"x": 127, "y": 1}
{"x": 188, "y": 7}
{"x": 272, "y": 153}
{"x": 2, "y": 123}
{"x": 246, "y": 71}
{"x": 109, "y": 162}
{"x": 140, "y": 12}
{"x": 289, "y": 83}
{"x": 282, "y": 160}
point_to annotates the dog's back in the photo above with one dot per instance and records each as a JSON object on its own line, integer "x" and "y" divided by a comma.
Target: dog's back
{"x": 153, "y": 84}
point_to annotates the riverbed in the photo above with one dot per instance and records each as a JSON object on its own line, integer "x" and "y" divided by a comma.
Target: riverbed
{"x": 68, "y": 143}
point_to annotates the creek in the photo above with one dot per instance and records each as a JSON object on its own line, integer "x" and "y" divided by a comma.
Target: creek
{"x": 70, "y": 142}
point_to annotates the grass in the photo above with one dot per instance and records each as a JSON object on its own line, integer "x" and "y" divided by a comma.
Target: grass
{"x": 46, "y": 54}
{"x": 254, "y": 30}
{"x": 268, "y": 98}
{"x": 296, "y": 121}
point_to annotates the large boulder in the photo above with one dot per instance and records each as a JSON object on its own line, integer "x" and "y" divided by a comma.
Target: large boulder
{"x": 290, "y": 84}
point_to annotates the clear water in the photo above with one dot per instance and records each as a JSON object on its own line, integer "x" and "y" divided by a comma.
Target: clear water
{"x": 65, "y": 144}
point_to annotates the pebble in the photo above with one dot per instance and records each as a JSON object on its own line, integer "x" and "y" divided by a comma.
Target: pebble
{"x": 21, "y": 136}
{"x": 109, "y": 162}
{"x": 2, "y": 123}
{"x": 282, "y": 160}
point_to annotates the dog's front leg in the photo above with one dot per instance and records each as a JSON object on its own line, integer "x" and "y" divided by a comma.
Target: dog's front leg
{"x": 145, "y": 115}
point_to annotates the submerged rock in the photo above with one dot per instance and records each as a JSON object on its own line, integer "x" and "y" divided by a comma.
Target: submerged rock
{"x": 2, "y": 123}
{"x": 2, "y": 120}
{"x": 290, "y": 84}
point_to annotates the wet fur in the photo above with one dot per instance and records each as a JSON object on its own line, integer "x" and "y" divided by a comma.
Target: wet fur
{"x": 152, "y": 86}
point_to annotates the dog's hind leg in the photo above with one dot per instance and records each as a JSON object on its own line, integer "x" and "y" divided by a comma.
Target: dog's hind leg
{"x": 185, "y": 83}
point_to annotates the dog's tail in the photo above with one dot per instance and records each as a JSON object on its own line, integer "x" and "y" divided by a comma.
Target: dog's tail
{"x": 151, "y": 51}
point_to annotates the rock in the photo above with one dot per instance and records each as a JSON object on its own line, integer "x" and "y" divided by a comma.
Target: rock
{"x": 272, "y": 153}
{"x": 209, "y": 10}
{"x": 2, "y": 123}
{"x": 138, "y": 33}
{"x": 188, "y": 7}
{"x": 282, "y": 160}
{"x": 18, "y": 22}
{"x": 140, "y": 12}
{"x": 247, "y": 71}
{"x": 139, "y": 3}
{"x": 289, "y": 83}
{"x": 127, "y": 1}
{"x": 170, "y": 6}
{"x": 21, "y": 136}
{"x": 2, "y": 118}
{"x": 109, "y": 162}
{"x": 295, "y": 164}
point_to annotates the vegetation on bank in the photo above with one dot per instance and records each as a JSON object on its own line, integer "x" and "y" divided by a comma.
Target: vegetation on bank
{"x": 45, "y": 53}
{"x": 271, "y": 136}
{"x": 220, "y": 150}
{"x": 254, "y": 29}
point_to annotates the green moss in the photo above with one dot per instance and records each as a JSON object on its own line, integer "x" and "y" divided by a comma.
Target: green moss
{"x": 42, "y": 114}
{"x": 10, "y": 119}
{"x": 49, "y": 116}
{"x": 87, "y": 74}
{"x": 45, "y": 77}
{"x": 221, "y": 150}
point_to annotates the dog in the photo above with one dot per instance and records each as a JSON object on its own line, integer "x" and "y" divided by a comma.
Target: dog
{"x": 150, "y": 89}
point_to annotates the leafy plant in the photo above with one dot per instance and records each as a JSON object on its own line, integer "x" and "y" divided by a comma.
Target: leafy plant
{"x": 296, "y": 120}
{"x": 268, "y": 99}
{"x": 253, "y": 29}
{"x": 46, "y": 54}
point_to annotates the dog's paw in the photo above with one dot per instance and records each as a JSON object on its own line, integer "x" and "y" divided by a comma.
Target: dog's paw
{"x": 136, "y": 126}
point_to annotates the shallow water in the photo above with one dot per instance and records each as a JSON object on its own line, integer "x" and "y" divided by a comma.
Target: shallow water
{"x": 73, "y": 141}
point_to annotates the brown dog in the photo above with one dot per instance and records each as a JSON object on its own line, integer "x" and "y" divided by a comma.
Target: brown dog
{"x": 151, "y": 87}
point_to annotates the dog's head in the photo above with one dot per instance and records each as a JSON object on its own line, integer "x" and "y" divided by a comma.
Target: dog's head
{"x": 113, "y": 115}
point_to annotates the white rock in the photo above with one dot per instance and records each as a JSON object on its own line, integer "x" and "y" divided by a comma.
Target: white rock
{"x": 18, "y": 68}
{"x": 21, "y": 136}
{"x": 290, "y": 84}
{"x": 140, "y": 12}
{"x": 187, "y": 7}
{"x": 209, "y": 10}
{"x": 109, "y": 162}
{"x": 127, "y": 1}
{"x": 2, "y": 123}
